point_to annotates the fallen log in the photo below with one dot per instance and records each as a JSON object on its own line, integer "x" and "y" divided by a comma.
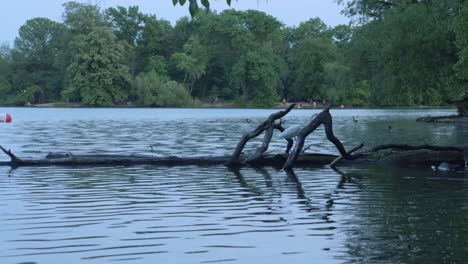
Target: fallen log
{"x": 453, "y": 119}
{"x": 69, "y": 159}
{"x": 402, "y": 155}
{"x": 422, "y": 157}
{"x": 394, "y": 154}
{"x": 340, "y": 158}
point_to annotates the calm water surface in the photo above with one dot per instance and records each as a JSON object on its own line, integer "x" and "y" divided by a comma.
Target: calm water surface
{"x": 149, "y": 214}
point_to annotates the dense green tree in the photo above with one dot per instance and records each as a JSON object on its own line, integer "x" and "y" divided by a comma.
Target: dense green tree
{"x": 460, "y": 25}
{"x": 312, "y": 28}
{"x": 98, "y": 75}
{"x": 406, "y": 52}
{"x": 157, "y": 64}
{"x": 309, "y": 59}
{"x": 127, "y": 24}
{"x": 81, "y": 18}
{"x": 33, "y": 58}
{"x": 192, "y": 62}
{"x": 5, "y": 72}
{"x": 228, "y": 37}
{"x": 154, "y": 40}
{"x": 256, "y": 76}
{"x": 156, "y": 90}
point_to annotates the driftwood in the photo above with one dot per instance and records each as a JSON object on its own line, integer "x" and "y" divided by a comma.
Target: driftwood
{"x": 340, "y": 158}
{"x": 417, "y": 147}
{"x": 454, "y": 119}
{"x": 68, "y": 159}
{"x": 395, "y": 154}
{"x": 402, "y": 155}
{"x": 268, "y": 124}
{"x": 323, "y": 118}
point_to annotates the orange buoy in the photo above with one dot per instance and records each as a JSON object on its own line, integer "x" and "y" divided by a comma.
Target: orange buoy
{"x": 5, "y": 118}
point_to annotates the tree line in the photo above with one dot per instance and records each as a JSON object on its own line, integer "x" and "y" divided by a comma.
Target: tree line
{"x": 393, "y": 53}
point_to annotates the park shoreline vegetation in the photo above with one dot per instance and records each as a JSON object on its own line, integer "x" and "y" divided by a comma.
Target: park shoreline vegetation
{"x": 403, "y": 53}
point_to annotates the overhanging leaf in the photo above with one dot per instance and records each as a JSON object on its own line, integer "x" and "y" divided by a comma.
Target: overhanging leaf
{"x": 193, "y": 8}
{"x": 206, "y": 4}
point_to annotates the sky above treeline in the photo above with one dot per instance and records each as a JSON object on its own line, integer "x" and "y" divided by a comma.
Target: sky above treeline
{"x": 290, "y": 12}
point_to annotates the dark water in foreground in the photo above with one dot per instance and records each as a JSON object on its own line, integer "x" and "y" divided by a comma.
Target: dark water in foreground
{"x": 149, "y": 214}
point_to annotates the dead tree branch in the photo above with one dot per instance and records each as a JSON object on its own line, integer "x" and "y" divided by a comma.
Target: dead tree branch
{"x": 323, "y": 118}
{"x": 340, "y": 158}
{"x": 14, "y": 159}
{"x": 410, "y": 147}
{"x": 269, "y": 122}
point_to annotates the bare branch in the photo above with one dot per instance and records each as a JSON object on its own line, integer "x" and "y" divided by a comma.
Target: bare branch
{"x": 14, "y": 159}
{"x": 340, "y": 158}
{"x": 410, "y": 147}
{"x": 324, "y": 118}
{"x": 235, "y": 158}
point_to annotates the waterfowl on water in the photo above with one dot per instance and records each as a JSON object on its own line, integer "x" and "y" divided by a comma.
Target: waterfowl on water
{"x": 393, "y": 130}
{"x": 444, "y": 166}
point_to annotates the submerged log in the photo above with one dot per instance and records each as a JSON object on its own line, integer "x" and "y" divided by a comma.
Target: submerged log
{"x": 444, "y": 119}
{"x": 393, "y": 154}
{"x": 68, "y": 159}
{"x": 423, "y": 157}
{"x": 401, "y": 155}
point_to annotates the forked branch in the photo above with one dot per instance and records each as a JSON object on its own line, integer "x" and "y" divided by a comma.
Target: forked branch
{"x": 323, "y": 118}
{"x": 14, "y": 159}
{"x": 267, "y": 124}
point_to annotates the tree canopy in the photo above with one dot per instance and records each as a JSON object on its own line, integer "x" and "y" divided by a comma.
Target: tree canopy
{"x": 394, "y": 53}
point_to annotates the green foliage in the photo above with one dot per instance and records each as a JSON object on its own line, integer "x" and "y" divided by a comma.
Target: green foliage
{"x": 157, "y": 64}
{"x": 192, "y": 62}
{"x": 255, "y": 76}
{"x": 96, "y": 69}
{"x": 82, "y": 18}
{"x": 394, "y": 53}
{"x": 154, "y": 90}
{"x": 358, "y": 94}
{"x": 460, "y": 26}
{"x": 153, "y": 40}
{"x": 311, "y": 29}
{"x": 33, "y": 60}
{"x": 5, "y": 90}
{"x": 406, "y": 52}
{"x": 126, "y": 23}
{"x": 194, "y": 7}
{"x": 308, "y": 61}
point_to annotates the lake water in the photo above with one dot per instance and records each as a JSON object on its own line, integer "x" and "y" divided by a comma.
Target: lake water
{"x": 147, "y": 214}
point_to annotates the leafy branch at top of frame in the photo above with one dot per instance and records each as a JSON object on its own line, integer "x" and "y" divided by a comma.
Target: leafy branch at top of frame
{"x": 194, "y": 8}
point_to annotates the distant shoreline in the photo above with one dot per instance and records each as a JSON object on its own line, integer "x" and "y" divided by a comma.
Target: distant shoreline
{"x": 301, "y": 105}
